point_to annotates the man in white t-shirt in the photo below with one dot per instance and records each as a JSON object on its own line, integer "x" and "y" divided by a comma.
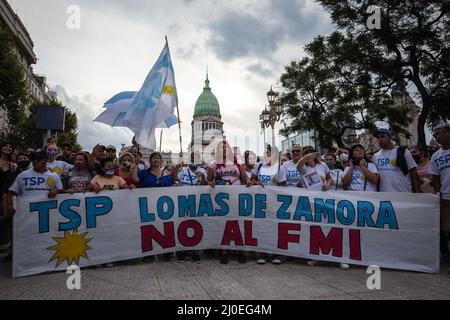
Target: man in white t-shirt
{"x": 293, "y": 177}
{"x": 269, "y": 172}
{"x": 440, "y": 169}
{"x": 36, "y": 181}
{"x": 397, "y": 171}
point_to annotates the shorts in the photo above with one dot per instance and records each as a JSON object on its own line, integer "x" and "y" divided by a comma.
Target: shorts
{"x": 445, "y": 215}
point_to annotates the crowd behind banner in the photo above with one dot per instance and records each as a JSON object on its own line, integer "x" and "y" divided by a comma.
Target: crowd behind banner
{"x": 55, "y": 169}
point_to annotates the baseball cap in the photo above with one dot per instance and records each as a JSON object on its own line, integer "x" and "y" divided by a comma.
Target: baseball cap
{"x": 100, "y": 146}
{"x": 382, "y": 131}
{"x": 442, "y": 126}
{"x": 111, "y": 147}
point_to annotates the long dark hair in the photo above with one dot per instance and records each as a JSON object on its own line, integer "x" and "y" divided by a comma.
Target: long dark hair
{"x": 12, "y": 147}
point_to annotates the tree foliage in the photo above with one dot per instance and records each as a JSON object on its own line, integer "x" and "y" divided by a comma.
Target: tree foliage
{"x": 13, "y": 89}
{"x": 412, "y": 45}
{"x": 319, "y": 94}
{"x": 20, "y": 107}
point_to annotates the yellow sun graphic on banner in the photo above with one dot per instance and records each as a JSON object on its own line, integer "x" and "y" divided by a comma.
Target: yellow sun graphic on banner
{"x": 168, "y": 89}
{"x": 51, "y": 182}
{"x": 70, "y": 248}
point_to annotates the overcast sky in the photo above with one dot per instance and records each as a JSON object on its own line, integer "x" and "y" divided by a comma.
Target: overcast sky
{"x": 245, "y": 43}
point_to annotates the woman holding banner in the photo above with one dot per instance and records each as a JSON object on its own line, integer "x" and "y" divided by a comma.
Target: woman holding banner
{"x": 360, "y": 175}
{"x": 155, "y": 177}
{"x": 128, "y": 170}
{"x": 316, "y": 175}
{"x": 226, "y": 170}
{"x": 269, "y": 173}
{"x": 293, "y": 177}
{"x": 79, "y": 177}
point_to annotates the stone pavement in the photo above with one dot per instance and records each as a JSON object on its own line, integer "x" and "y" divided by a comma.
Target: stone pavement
{"x": 292, "y": 280}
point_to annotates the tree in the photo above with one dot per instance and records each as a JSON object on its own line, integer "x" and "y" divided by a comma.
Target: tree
{"x": 320, "y": 96}
{"x": 412, "y": 45}
{"x": 28, "y": 134}
{"x": 13, "y": 89}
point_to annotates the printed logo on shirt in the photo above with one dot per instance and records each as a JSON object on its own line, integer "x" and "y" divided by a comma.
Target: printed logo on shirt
{"x": 293, "y": 173}
{"x": 385, "y": 163}
{"x": 264, "y": 178}
{"x": 357, "y": 176}
{"x": 56, "y": 170}
{"x": 33, "y": 181}
{"x": 443, "y": 162}
{"x": 51, "y": 183}
{"x": 79, "y": 186}
{"x": 108, "y": 187}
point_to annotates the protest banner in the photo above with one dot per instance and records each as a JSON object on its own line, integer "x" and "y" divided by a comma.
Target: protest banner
{"x": 390, "y": 230}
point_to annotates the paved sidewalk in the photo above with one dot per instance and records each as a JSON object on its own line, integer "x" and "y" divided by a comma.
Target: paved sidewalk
{"x": 210, "y": 280}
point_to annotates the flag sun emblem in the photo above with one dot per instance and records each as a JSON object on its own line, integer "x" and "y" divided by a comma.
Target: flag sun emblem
{"x": 70, "y": 248}
{"x": 168, "y": 89}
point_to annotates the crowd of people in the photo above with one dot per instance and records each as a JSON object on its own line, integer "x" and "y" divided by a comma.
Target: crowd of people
{"x": 56, "y": 169}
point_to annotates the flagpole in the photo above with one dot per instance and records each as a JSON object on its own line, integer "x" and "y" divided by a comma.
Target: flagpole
{"x": 179, "y": 120}
{"x": 160, "y": 141}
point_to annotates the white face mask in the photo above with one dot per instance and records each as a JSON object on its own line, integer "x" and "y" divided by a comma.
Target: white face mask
{"x": 343, "y": 157}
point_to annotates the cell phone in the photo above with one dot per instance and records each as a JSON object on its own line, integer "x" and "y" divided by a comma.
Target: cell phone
{"x": 355, "y": 162}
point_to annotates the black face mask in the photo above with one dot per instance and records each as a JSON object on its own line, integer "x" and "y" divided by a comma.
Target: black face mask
{"x": 23, "y": 164}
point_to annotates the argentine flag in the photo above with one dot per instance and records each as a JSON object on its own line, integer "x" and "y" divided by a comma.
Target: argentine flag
{"x": 150, "y": 108}
{"x": 154, "y": 105}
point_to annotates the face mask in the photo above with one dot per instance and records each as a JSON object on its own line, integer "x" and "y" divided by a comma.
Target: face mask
{"x": 79, "y": 167}
{"x": 343, "y": 157}
{"x": 109, "y": 172}
{"x": 330, "y": 165}
{"x": 23, "y": 164}
{"x": 126, "y": 165}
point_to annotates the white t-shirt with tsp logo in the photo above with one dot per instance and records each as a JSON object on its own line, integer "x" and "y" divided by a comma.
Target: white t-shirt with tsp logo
{"x": 293, "y": 177}
{"x": 359, "y": 179}
{"x": 392, "y": 178}
{"x": 440, "y": 166}
{"x": 189, "y": 178}
{"x": 269, "y": 175}
{"x": 33, "y": 183}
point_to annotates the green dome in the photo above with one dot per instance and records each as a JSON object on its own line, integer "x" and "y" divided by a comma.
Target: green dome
{"x": 207, "y": 103}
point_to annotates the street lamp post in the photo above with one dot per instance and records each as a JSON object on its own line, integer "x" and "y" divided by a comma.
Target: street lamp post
{"x": 269, "y": 117}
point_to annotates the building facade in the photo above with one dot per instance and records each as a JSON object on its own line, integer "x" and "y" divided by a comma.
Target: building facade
{"x": 207, "y": 126}
{"x": 24, "y": 49}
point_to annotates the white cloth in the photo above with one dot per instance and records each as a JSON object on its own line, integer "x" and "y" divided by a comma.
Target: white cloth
{"x": 189, "y": 178}
{"x": 58, "y": 167}
{"x": 392, "y": 178}
{"x": 269, "y": 175}
{"x": 440, "y": 166}
{"x": 293, "y": 177}
{"x": 359, "y": 179}
{"x": 31, "y": 182}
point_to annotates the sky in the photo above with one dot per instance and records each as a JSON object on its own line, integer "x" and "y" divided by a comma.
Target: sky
{"x": 244, "y": 43}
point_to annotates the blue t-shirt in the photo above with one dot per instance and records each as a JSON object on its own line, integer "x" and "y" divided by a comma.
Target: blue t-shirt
{"x": 148, "y": 180}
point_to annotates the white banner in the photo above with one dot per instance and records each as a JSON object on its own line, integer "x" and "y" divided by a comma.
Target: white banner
{"x": 391, "y": 230}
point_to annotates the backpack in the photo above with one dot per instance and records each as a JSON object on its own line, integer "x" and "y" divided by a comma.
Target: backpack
{"x": 401, "y": 160}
